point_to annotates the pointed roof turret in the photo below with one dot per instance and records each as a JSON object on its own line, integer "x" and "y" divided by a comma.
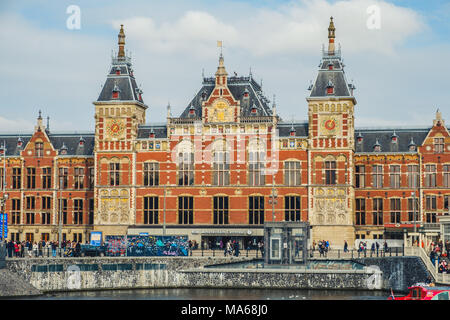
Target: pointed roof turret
{"x": 120, "y": 83}
{"x": 331, "y": 36}
{"x": 331, "y": 79}
{"x": 121, "y": 43}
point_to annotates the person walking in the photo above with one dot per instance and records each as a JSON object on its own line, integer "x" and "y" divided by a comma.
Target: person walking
{"x": 372, "y": 248}
{"x": 345, "y": 246}
{"x": 10, "y": 247}
{"x": 78, "y": 249}
{"x": 377, "y": 246}
{"x": 236, "y": 248}
{"x": 53, "y": 246}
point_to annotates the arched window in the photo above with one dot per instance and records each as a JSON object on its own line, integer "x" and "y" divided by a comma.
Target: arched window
{"x": 221, "y": 164}
{"x": 256, "y": 163}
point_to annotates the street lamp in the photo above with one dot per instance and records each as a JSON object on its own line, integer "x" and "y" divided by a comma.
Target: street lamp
{"x": 4, "y": 194}
{"x": 60, "y": 212}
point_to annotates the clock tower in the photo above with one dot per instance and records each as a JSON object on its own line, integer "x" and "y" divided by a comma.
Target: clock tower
{"x": 119, "y": 110}
{"x": 331, "y": 150}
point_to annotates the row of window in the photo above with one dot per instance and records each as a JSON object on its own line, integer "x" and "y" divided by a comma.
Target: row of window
{"x": 412, "y": 176}
{"x": 395, "y": 210}
{"x": 30, "y": 217}
{"x": 15, "y": 236}
{"x": 46, "y": 178}
{"x": 221, "y": 208}
{"x": 220, "y": 168}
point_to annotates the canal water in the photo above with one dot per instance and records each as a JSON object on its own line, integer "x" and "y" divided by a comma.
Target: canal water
{"x": 217, "y": 294}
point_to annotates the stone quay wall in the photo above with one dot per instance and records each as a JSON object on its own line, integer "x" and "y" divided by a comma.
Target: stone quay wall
{"x": 68, "y": 274}
{"x": 399, "y": 273}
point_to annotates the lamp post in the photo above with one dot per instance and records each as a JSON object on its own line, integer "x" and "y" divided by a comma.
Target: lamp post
{"x": 4, "y": 194}
{"x": 60, "y": 213}
{"x": 273, "y": 196}
{"x": 164, "y": 212}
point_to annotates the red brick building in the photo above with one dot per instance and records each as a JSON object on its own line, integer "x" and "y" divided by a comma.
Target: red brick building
{"x": 227, "y": 164}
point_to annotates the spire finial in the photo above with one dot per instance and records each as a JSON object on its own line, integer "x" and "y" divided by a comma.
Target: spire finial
{"x": 331, "y": 36}
{"x": 121, "y": 36}
{"x": 40, "y": 115}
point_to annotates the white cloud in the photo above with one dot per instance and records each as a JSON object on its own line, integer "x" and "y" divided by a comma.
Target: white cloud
{"x": 15, "y": 125}
{"x": 299, "y": 27}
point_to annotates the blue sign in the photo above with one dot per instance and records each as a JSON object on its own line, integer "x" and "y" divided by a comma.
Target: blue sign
{"x": 96, "y": 238}
{"x": 3, "y": 225}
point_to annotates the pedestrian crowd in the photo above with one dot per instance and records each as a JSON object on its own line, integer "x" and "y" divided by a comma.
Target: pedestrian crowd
{"x": 439, "y": 255}
{"x": 230, "y": 248}
{"x": 23, "y": 249}
{"x": 323, "y": 247}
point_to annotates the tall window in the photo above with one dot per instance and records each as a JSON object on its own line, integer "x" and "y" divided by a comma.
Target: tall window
{"x": 78, "y": 211}
{"x": 395, "y": 176}
{"x": 46, "y": 203}
{"x": 62, "y": 208}
{"x": 46, "y": 217}
{"x": 377, "y": 176}
{"x": 430, "y": 175}
{"x": 360, "y": 212}
{"x": 395, "y": 210}
{"x": 151, "y": 210}
{"x": 378, "y": 211}
{"x": 31, "y": 178}
{"x": 39, "y": 147}
{"x": 330, "y": 172}
{"x": 413, "y": 176}
{"x": 151, "y": 174}
{"x": 430, "y": 206}
{"x": 91, "y": 211}
{"x": 114, "y": 174}
{"x": 412, "y": 209}
{"x": 79, "y": 178}
{"x": 46, "y": 178}
{"x": 91, "y": 178}
{"x": 292, "y": 208}
{"x": 31, "y": 203}
{"x": 446, "y": 204}
{"x": 256, "y": 210}
{"x": 256, "y": 166}
{"x": 15, "y": 211}
{"x": 446, "y": 175}
{"x": 186, "y": 169}
{"x": 29, "y": 218}
{"x": 186, "y": 210}
{"x": 16, "y": 178}
{"x": 292, "y": 173}
{"x": 220, "y": 210}
{"x": 63, "y": 178}
{"x": 360, "y": 176}
{"x": 438, "y": 145}
{"x": 221, "y": 168}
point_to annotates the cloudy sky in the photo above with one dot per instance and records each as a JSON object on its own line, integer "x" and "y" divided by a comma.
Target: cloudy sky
{"x": 395, "y": 51}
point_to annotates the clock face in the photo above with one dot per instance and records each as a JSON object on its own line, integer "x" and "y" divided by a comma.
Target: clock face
{"x": 115, "y": 128}
{"x": 329, "y": 125}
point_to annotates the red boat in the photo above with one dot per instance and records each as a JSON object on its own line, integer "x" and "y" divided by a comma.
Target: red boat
{"x": 424, "y": 292}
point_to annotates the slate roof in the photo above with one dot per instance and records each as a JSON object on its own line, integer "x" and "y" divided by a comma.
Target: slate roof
{"x": 125, "y": 82}
{"x": 284, "y": 129}
{"x": 237, "y": 86}
{"x": 71, "y": 141}
{"x": 384, "y": 137}
{"x": 335, "y": 77}
{"x": 160, "y": 131}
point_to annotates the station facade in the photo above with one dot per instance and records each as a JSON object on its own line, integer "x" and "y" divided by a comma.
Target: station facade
{"x": 225, "y": 165}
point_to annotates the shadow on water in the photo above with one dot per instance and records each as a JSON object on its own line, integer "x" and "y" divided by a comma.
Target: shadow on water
{"x": 217, "y": 294}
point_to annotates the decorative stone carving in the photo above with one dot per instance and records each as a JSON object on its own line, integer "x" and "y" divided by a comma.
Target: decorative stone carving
{"x": 114, "y": 207}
